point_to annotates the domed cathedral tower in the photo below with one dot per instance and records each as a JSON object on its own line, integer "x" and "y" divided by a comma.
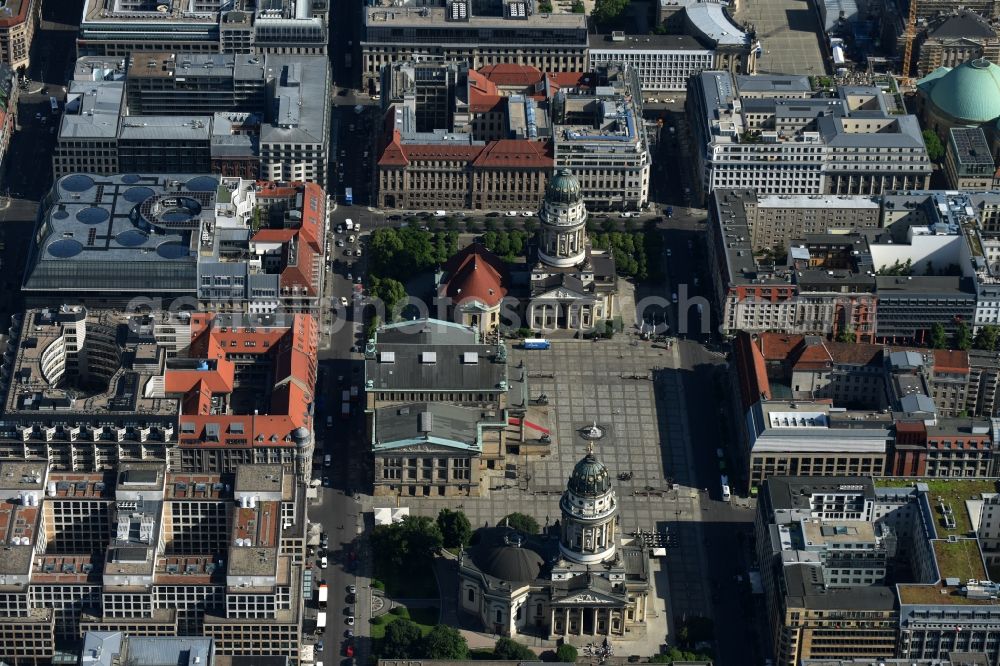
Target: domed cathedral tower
{"x": 563, "y": 236}
{"x": 589, "y": 514}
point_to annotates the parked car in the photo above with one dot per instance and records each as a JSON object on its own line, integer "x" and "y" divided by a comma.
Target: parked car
{"x": 511, "y": 213}
{"x": 324, "y": 562}
{"x": 439, "y": 213}
{"x": 350, "y": 620}
{"x": 343, "y": 301}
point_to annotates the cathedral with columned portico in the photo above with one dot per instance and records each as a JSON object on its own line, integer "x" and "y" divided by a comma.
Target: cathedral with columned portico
{"x": 572, "y": 286}
{"x": 577, "y": 581}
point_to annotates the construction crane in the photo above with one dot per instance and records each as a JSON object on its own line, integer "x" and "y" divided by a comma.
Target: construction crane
{"x": 911, "y": 30}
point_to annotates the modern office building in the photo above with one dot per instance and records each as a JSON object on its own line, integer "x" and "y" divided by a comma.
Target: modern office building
{"x": 244, "y": 115}
{"x": 823, "y": 286}
{"x": 968, "y": 163}
{"x": 97, "y": 388}
{"x": 482, "y": 33}
{"x": 225, "y": 243}
{"x": 145, "y": 552}
{"x": 121, "y": 28}
{"x": 823, "y": 561}
{"x": 664, "y": 63}
{"x": 851, "y": 568}
{"x": 600, "y": 136}
{"x": 812, "y": 438}
{"x": 18, "y": 22}
{"x": 775, "y": 135}
{"x": 776, "y": 219}
{"x": 735, "y": 46}
{"x": 436, "y": 408}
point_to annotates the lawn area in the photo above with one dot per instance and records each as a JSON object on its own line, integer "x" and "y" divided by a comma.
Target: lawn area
{"x": 953, "y": 492}
{"x": 960, "y": 559}
{"x": 425, "y": 618}
{"x": 412, "y": 582}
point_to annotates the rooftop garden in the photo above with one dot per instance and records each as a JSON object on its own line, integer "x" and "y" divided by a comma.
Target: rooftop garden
{"x": 953, "y": 493}
{"x": 959, "y": 559}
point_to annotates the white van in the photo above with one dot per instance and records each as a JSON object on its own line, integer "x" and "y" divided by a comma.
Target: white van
{"x": 327, "y": 460}
{"x": 349, "y": 224}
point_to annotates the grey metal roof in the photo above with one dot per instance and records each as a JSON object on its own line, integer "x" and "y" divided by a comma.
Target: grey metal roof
{"x": 446, "y": 373}
{"x": 169, "y": 128}
{"x": 167, "y": 650}
{"x": 303, "y": 82}
{"x": 439, "y": 423}
{"x": 962, "y": 24}
{"x": 794, "y": 492}
{"x": 427, "y": 332}
{"x": 805, "y": 588}
{"x": 100, "y": 647}
{"x": 92, "y": 109}
{"x": 645, "y": 43}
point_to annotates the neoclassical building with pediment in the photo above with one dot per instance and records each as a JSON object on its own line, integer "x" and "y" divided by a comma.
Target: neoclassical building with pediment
{"x": 576, "y": 582}
{"x": 572, "y": 285}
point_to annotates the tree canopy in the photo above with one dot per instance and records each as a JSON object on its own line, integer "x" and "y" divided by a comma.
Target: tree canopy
{"x": 402, "y": 640}
{"x": 566, "y": 653}
{"x": 402, "y": 253}
{"x": 987, "y": 337}
{"x": 510, "y": 650}
{"x": 391, "y": 292}
{"x": 522, "y": 522}
{"x": 444, "y": 642}
{"x": 963, "y": 337}
{"x": 455, "y": 528}
{"x": 935, "y": 150}
{"x": 414, "y": 538}
{"x": 939, "y": 337}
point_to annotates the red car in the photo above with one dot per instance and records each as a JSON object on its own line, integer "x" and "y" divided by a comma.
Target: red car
{"x": 349, "y": 651}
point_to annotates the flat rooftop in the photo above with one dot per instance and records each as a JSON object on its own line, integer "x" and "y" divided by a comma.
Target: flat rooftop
{"x": 118, "y": 383}
{"x": 122, "y": 233}
{"x": 847, "y": 201}
{"x": 437, "y": 17}
{"x": 953, "y": 492}
{"x": 436, "y": 424}
{"x": 646, "y": 43}
{"x": 818, "y": 532}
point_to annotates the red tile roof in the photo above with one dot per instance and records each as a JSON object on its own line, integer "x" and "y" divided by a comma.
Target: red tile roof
{"x": 507, "y": 153}
{"x": 483, "y": 94}
{"x": 291, "y": 351}
{"x": 393, "y": 153}
{"x": 475, "y": 273}
{"x": 506, "y": 74}
{"x": 947, "y": 360}
{"x": 307, "y": 238}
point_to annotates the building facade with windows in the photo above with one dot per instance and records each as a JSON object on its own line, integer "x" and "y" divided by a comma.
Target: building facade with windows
{"x": 142, "y": 551}
{"x": 18, "y": 22}
{"x": 583, "y": 584}
{"x": 436, "y": 408}
{"x": 481, "y": 34}
{"x": 777, "y": 136}
{"x": 664, "y": 63}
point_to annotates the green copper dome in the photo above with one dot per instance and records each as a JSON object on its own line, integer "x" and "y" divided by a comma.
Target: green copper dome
{"x": 563, "y": 187}
{"x": 590, "y": 478}
{"x": 968, "y": 93}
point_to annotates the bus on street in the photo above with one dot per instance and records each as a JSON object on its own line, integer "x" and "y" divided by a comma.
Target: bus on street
{"x": 536, "y": 343}
{"x": 348, "y": 197}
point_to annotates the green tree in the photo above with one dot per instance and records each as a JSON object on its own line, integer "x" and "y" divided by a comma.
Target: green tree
{"x": 371, "y": 327}
{"x": 939, "y": 338}
{"x": 935, "y": 150}
{"x": 566, "y": 653}
{"x": 456, "y": 530}
{"x": 987, "y": 337}
{"x": 606, "y": 11}
{"x": 414, "y": 538}
{"x": 490, "y": 224}
{"x": 510, "y": 650}
{"x": 846, "y": 334}
{"x": 391, "y": 292}
{"x": 578, "y": 7}
{"x": 444, "y": 642}
{"x": 402, "y": 640}
{"x": 521, "y": 522}
{"x": 545, "y": 7}
{"x": 963, "y": 337}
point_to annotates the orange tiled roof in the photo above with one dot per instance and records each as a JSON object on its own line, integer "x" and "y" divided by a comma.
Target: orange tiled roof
{"x": 476, "y": 273}
{"x": 292, "y": 352}
{"x": 508, "y": 74}
{"x": 947, "y": 360}
{"x": 516, "y": 153}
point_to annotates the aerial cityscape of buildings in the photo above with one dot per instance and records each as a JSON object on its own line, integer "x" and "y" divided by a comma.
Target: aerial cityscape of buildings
{"x": 433, "y": 332}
